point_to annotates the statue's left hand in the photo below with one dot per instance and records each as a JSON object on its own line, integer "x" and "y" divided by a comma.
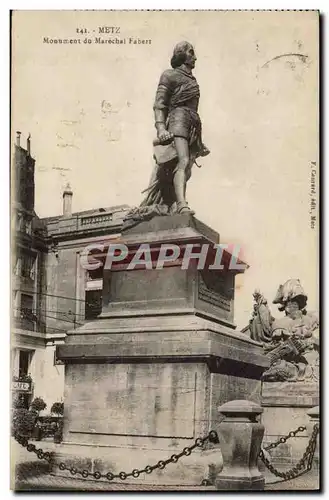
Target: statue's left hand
{"x": 165, "y": 137}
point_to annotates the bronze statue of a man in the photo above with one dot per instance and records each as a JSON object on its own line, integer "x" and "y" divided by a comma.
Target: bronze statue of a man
{"x": 178, "y": 128}
{"x": 179, "y": 139}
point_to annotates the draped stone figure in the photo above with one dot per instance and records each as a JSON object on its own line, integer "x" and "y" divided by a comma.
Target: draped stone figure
{"x": 260, "y": 325}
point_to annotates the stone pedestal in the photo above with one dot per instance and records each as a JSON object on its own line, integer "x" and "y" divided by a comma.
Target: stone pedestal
{"x": 145, "y": 379}
{"x": 240, "y": 438}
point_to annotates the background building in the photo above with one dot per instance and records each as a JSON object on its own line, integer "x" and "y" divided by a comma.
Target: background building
{"x": 51, "y": 291}
{"x": 29, "y": 339}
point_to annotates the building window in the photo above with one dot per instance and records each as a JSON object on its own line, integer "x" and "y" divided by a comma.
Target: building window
{"x": 20, "y": 223}
{"x": 17, "y": 266}
{"x": 22, "y": 386}
{"x": 27, "y": 303}
{"x": 24, "y": 363}
{"x": 28, "y": 227}
{"x": 26, "y": 310}
{"x": 23, "y": 224}
{"x": 28, "y": 266}
{"x": 93, "y": 303}
{"x": 56, "y": 360}
{"x": 16, "y": 304}
{"x": 94, "y": 293}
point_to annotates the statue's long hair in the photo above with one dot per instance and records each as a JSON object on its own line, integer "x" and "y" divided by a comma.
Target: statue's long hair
{"x": 179, "y": 55}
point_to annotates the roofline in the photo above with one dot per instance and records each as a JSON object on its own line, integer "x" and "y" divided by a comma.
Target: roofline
{"x": 115, "y": 208}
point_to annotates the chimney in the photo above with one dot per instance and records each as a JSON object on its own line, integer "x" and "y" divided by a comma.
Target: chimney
{"x": 67, "y": 201}
{"x": 28, "y": 145}
{"x": 18, "y": 138}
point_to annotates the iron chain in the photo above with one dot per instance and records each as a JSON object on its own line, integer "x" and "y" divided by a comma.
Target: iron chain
{"x": 199, "y": 442}
{"x": 42, "y": 455}
{"x": 304, "y": 464}
{"x": 283, "y": 439}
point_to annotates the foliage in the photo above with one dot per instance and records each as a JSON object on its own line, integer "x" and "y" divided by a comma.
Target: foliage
{"x": 38, "y": 405}
{"x": 23, "y": 422}
{"x": 18, "y": 402}
{"x": 58, "y": 408}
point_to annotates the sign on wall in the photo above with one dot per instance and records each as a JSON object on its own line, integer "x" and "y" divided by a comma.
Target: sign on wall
{"x": 21, "y": 386}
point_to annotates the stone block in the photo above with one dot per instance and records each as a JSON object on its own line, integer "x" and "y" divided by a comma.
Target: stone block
{"x": 286, "y": 405}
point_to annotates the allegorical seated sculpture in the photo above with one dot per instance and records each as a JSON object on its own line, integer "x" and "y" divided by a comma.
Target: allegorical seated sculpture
{"x": 179, "y": 139}
{"x": 293, "y": 348}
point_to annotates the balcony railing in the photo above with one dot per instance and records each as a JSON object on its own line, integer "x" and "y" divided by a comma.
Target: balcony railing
{"x": 96, "y": 219}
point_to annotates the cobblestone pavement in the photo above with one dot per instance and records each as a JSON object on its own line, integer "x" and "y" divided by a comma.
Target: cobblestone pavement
{"x": 33, "y": 474}
{"x": 54, "y": 483}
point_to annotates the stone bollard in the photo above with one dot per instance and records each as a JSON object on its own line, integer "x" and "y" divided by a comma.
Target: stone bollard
{"x": 240, "y": 438}
{"x": 314, "y": 414}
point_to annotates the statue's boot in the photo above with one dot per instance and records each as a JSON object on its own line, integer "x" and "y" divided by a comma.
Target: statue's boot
{"x": 183, "y": 208}
{"x": 180, "y": 187}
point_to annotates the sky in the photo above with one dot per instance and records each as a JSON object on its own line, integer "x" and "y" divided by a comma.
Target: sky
{"x": 88, "y": 108}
